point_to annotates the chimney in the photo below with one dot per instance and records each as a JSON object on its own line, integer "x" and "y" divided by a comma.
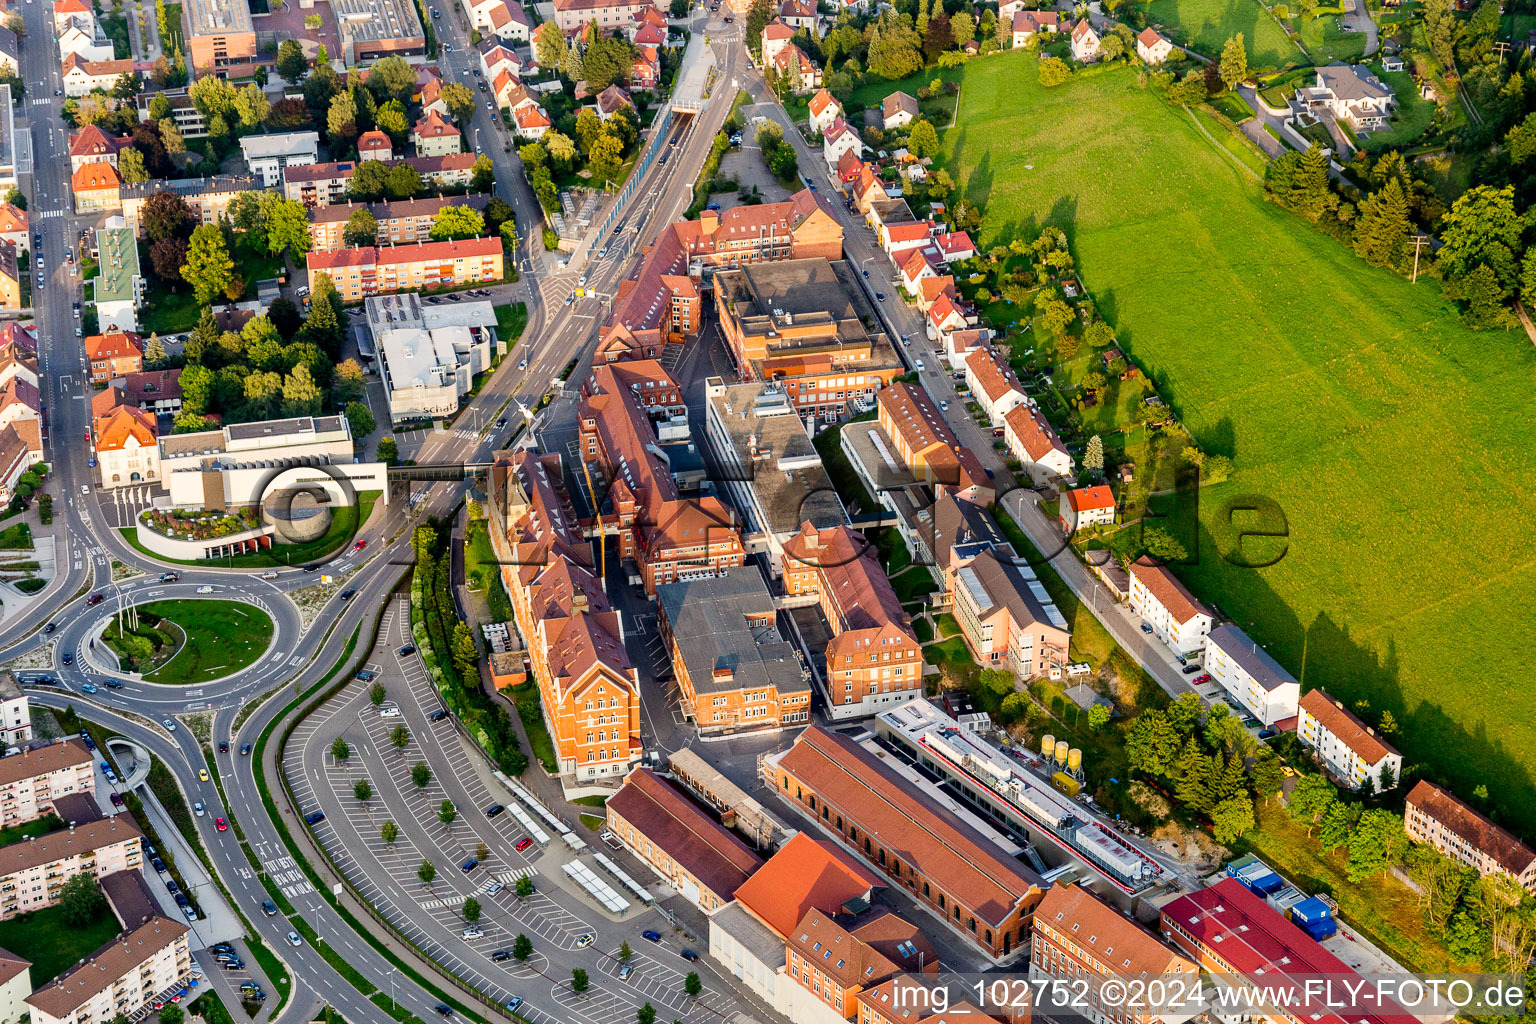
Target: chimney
{"x": 709, "y": 221}
{"x": 579, "y": 601}
{"x": 722, "y": 675}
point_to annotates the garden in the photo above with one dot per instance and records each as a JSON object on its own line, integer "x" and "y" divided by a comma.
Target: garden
{"x": 1321, "y": 412}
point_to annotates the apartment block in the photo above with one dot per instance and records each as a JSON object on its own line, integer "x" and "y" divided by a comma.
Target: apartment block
{"x": 1246, "y": 671}
{"x": 318, "y": 184}
{"x": 949, "y": 867}
{"x": 993, "y": 385}
{"x": 33, "y": 871}
{"x": 1165, "y": 604}
{"x": 208, "y": 198}
{"x": 402, "y": 222}
{"x": 149, "y": 962}
{"x": 368, "y": 270}
{"x": 32, "y": 780}
{"x": 1350, "y": 750}
{"x": 1077, "y": 936}
{"x": 690, "y": 850}
{"x": 734, "y": 669}
{"x": 1007, "y": 618}
{"x": 800, "y": 322}
{"x": 873, "y": 660}
{"x": 805, "y": 226}
{"x": 836, "y": 955}
{"x": 114, "y": 355}
{"x": 587, "y": 686}
{"x": 267, "y": 155}
{"x": 925, "y": 444}
{"x": 1432, "y": 815}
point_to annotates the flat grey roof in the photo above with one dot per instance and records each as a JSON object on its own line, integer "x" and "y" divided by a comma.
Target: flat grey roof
{"x": 1252, "y": 658}
{"x": 708, "y": 621}
{"x": 750, "y": 933}
{"x": 299, "y": 424}
{"x": 218, "y": 17}
{"x": 779, "y": 460}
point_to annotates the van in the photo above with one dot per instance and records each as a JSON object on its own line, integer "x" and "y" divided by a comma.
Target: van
{"x": 389, "y": 712}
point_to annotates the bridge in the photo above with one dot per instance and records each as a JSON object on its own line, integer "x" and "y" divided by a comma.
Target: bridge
{"x": 693, "y": 80}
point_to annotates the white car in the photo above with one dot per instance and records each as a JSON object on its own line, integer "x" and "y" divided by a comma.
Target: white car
{"x": 294, "y": 940}
{"x": 209, "y": 590}
{"x": 585, "y": 940}
{"x": 920, "y": 366}
{"x": 170, "y": 726}
{"x": 199, "y": 810}
{"x": 269, "y": 575}
{"x": 389, "y": 712}
{"x": 473, "y": 933}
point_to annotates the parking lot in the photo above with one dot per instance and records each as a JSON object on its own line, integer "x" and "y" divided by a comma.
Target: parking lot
{"x": 555, "y": 916}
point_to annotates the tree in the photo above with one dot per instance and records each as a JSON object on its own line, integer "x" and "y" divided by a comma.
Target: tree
{"x": 171, "y": 1013}
{"x": 462, "y": 650}
{"x": 81, "y": 901}
{"x": 1093, "y": 455}
{"x": 1234, "y": 61}
{"x": 446, "y": 812}
{"x": 301, "y": 395}
{"x": 403, "y": 181}
{"x": 625, "y": 953}
{"x": 560, "y": 148}
{"x": 550, "y": 47}
{"x": 252, "y": 106}
{"x": 1231, "y": 818}
{"x": 1162, "y": 545}
{"x": 130, "y": 164}
{"x": 482, "y": 174}
{"x": 1310, "y": 799}
{"x": 460, "y": 101}
{"x": 290, "y": 61}
{"x": 1337, "y": 823}
{"x": 471, "y": 910}
{"x": 608, "y": 59}
{"x": 361, "y": 420}
{"x": 1381, "y": 233}
{"x": 362, "y": 228}
{"x": 368, "y": 180}
{"x": 154, "y": 351}
{"x": 524, "y": 887}
{"x": 1098, "y": 717}
{"x": 323, "y": 328}
{"x": 340, "y": 750}
{"x": 348, "y": 383}
{"x": 166, "y": 257}
{"x": 938, "y": 37}
{"x": 692, "y": 985}
{"x": 1378, "y": 842}
{"x": 341, "y": 119}
{"x": 893, "y": 50}
{"x": 392, "y": 78}
{"x": 578, "y": 980}
{"x": 922, "y": 140}
{"x": 167, "y": 215}
{"x": 606, "y": 158}
{"x": 1482, "y": 227}
{"x": 1053, "y": 72}
{"x": 287, "y": 115}
{"x": 455, "y": 222}
{"x": 758, "y": 16}
{"x": 208, "y": 267}
{"x": 522, "y": 948}
{"x": 426, "y": 872}
{"x": 963, "y": 27}
{"x": 421, "y": 774}
{"x": 362, "y": 790}
{"x": 1484, "y": 296}
{"x": 646, "y": 1014}
{"x": 399, "y": 737}
{"x": 287, "y": 222}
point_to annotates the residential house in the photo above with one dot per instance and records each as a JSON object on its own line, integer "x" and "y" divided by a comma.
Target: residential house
{"x": 1036, "y": 445}
{"x": 375, "y": 145}
{"x": 208, "y": 198}
{"x": 823, "y": 109}
{"x": 114, "y": 355}
{"x": 1085, "y": 42}
{"x": 434, "y": 136}
{"x": 790, "y": 64}
{"x": 955, "y": 246}
{"x": 150, "y": 962}
{"x": 1247, "y": 672}
{"x": 868, "y": 191}
{"x": 127, "y": 447}
{"x": 921, "y": 438}
{"x": 83, "y": 39}
{"x": 1350, "y": 750}
{"x": 91, "y": 145}
{"x": 1152, "y": 47}
{"x": 607, "y": 15}
{"x": 848, "y": 168}
{"x": 1434, "y": 816}
{"x": 31, "y": 781}
{"x": 10, "y": 276}
{"x": 1083, "y": 508}
{"x": 82, "y": 77}
{"x": 993, "y": 385}
{"x": 1026, "y": 25}
{"x": 33, "y": 872}
{"x": 612, "y": 100}
{"x": 915, "y": 269}
{"x": 444, "y": 171}
{"x": 1165, "y": 604}
{"x": 532, "y": 123}
{"x": 496, "y": 58}
{"x": 645, "y": 70}
{"x": 97, "y": 188}
{"x": 400, "y": 222}
{"x": 798, "y": 14}
{"x": 840, "y": 138}
{"x": 776, "y": 36}
{"x": 15, "y": 227}
{"x": 1351, "y": 93}
{"x": 898, "y": 110}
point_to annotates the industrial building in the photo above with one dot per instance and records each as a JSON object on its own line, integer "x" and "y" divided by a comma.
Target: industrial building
{"x": 429, "y": 355}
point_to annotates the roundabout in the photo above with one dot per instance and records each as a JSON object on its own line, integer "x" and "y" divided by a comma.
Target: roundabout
{"x": 183, "y": 643}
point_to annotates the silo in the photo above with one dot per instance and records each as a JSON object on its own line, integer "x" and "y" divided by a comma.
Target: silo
{"x": 1062, "y": 746}
{"x": 1075, "y": 760}
{"x": 1047, "y": 745}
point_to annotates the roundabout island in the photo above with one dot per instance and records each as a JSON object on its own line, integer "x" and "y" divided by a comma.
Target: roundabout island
{"x": 186, "y": 642}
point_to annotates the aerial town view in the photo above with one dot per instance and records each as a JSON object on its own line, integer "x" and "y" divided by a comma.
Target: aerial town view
{"x": 767, "y": 511}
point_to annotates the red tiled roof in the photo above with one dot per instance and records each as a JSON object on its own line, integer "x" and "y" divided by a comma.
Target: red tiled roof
{"x": 1165, "y": 586}
{"x": 821, "y": 101}
{"x": 1034, "y": 433}
{"x": 1091, "y": 499}
{"x": 95, "y": 177}
{"x": 777, "y": 30}
{"x": 682, "y": 830}
{"x": 434, "y": 127}
{"x": 113, "y": 346}
{"x": 121, "y": 423}
{"x": 92, "y": 141}
{"x": 373, "y": 141}
{"x": 1332, "y": 715}
{"x": 1479, "y": 832}
{"x": 1149, "y": 37}
{"x": 805, "y": 873}
{"x": 530, "y": 117}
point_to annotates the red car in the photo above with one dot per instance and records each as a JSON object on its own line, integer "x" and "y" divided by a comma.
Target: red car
{"x": 94, "y": 599}
{"x": 359, "y": 545}
{"x": 221, "y": 824}
{"x": 87, "y": 433}
{"x": 523, "y": 844}
{"x": 1203, "y": 677}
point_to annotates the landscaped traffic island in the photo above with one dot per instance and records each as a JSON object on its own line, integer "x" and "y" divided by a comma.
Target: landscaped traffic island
{"x": 180, "y": 643}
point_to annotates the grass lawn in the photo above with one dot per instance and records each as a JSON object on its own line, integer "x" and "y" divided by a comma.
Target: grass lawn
{"x": 171, "y": 312}
{"x": 1397, "y": 444}
{"x": 531, "y": 711}
{"x": 37, "y": 827}
{"x": 53, "y": 947}
{"x": 1205, "y": 25}
{"x": 1515, "y": 26}
{"x": 480, "y": 560}
{"x": 173, "y": 29}
{"x": 1327, "y": 42}
{"x": 1412, "y": 118}
{"x": 510, "y": 322}
{"x": 1449, "y": 173}
{"x": 345, "y": 522}
{"x": 938, "y": 109}
{"x": 849, "y": 487}
{"x": 221, "y": 637}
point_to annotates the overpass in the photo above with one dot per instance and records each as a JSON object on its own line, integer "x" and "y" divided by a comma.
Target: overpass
{"x": 692, "y": 89}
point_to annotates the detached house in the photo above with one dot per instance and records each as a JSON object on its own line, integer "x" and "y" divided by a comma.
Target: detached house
{"x": 434, "y": 136}
{"x": 532, "y": 123}
{"x": 91, "y": 145}
{"x": 1350, "y": 93}
{"x": 898, "y": 110}
{"x": 776, "y": 36}
{"x": 1035, "y": 444}
{"x": 791, "y": 64}
{"x": 824, "y": 110}
{"x": 97, "y": 187}
{"x": 114, "y": 355}
{"x": 1085, "y": 43}
{"x": 838, "y": 139}
{"x": 1152, "y": 47}
{"x": 1084, "y": 507}
{"x": 1028, "y": 24}
{"x": 798, "y": 14}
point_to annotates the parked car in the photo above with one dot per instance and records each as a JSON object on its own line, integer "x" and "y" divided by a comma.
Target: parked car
{"x": 654, "y": 936}
{"x": 501, "y": 956}
{"x": 1190, "y": 669}
{"x": 469, "y": 865}
{"x": 689, "y": 955}
{"x": 514, "y": 1003}
{"x": 584, "y": 940}
{"x": 1146, "y": 628}
{"x": 1202, "y": 678}
{"x": 117, "y": 799}
{"x": 438, "y": 715}
{"x": 407, "y": 649}
{"x": 475, "y": 932}
{"x": 314, "y": 817}
{"x": 523, "y": 844}
{"x": 626, "y": 971}
{"x": 493, "y": 810}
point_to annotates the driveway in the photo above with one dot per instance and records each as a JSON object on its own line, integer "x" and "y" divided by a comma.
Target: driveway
{"x": 1358, "y": 19}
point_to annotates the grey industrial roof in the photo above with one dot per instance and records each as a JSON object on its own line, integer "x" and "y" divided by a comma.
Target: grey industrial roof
{"x": 778, "y": 459}
{"x": 707, "y": 619}
{"x": 266, "y": 428}
{"x": 750, "y": 933}
{"x": 1252, "y": 658}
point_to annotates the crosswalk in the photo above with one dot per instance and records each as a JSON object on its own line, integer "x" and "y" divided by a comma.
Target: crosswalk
{"x": 48, "y": 214}
{"x": 41, "y": 101}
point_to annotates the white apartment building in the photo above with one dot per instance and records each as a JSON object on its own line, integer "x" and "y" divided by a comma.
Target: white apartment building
{"x": 1247, "y": 672}
{"x": 1347, "y": 747}
{"x": 31, "y": 781}
{"x": 15, "y": 984}
{"x": 993, "y": 385}
{"x": 122, "y": 977}
{"x": 15, "y": 713}
{"x": 268, "y": 155}
{"x": 33, "y": 871}
{"x": 1165, "y": 604}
